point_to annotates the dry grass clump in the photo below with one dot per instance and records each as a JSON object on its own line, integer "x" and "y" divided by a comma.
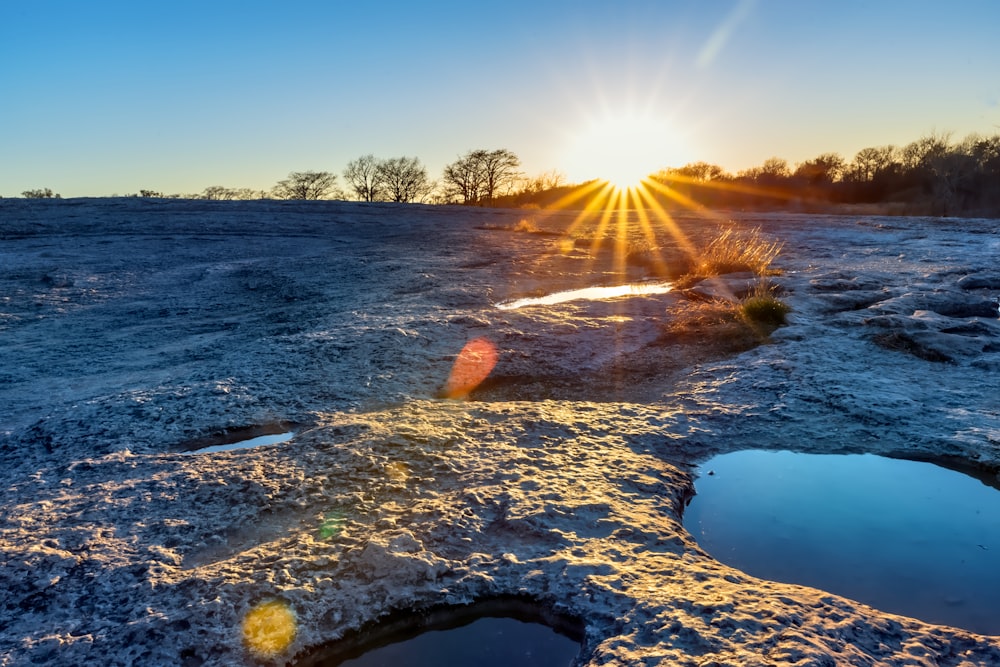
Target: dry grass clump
{"x": 726, "y": 326}
{"x": 718, "y": 325}
{"x": 734, "y": 251}
{"x": 526, "y": 225}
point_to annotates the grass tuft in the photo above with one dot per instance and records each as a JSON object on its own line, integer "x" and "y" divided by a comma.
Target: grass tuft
{"x": 763, "y": 307}
{"x": 734, "y": 251}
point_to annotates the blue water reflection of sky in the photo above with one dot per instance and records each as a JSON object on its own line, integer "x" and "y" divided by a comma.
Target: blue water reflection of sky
{"x": 905, "y": 537}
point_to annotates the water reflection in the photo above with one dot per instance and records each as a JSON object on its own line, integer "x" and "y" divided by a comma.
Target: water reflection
{"x": 903, "y": 536}
{"x": 247, "y": 444}
{"x": 243, "y": 437}
{"x": 492, "y": 633}
{"x": 487, "y": 642}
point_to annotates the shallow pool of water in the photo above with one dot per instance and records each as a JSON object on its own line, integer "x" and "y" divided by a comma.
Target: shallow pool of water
{"x": 905, "y": 537}
{"x": 226, "y": 444}
{"x": 492, "y": 633}
{"x": 259, "y": 441}
{"x": 488, "y": 642}
{"x": 589, "y": 293}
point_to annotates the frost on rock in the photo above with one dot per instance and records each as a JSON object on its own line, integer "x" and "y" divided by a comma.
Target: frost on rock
{"x": 131, "y": 327}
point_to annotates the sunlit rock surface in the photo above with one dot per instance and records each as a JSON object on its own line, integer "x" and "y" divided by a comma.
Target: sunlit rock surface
{"x": 130, "y": 327}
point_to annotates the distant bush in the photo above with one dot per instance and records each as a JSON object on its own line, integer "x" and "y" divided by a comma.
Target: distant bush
{"x": 44, "y": 193}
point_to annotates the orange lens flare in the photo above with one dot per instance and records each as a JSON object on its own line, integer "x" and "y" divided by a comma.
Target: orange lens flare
{"x": 473, "y": 365}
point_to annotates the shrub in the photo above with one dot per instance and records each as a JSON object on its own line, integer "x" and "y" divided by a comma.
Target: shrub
{"x": 41, "y": 193}
{"x": 765, "y": 310}
{"x": 763, "y": 307}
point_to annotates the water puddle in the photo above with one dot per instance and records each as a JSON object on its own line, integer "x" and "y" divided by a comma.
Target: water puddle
{"x": 495, "y": 633}
{"x": 590, "y": 294}
{"x": 905, "y": 537}
{"x": 240, "y": 438}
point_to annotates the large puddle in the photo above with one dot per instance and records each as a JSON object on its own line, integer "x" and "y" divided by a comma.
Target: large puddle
{"x": 494, "y": 633}
{"x": 590, "y": 294}
{"x": 905, "y": 537}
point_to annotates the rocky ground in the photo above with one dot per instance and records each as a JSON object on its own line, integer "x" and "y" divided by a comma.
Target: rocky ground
{"x": 132, "y": 330}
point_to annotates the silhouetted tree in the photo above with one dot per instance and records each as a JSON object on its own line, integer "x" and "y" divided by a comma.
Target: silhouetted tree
{"x": 821, "y": 171}
{"x": 480, "y": 176}
{"x": 869, "y": 163}
{"x": 307, "y": 185}
{"x": 773, "y": 171}
{"x": 699, "y": 171}
{"x": 463, "y": 178}
{"x": 404, "y": 179}
{"x": 500, "y": 173}
{"x": 218, "y": 192}
{"x": 362, "y": 177}
{"x": 548, "y": 180}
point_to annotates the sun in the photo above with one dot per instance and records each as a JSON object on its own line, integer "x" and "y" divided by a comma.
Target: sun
{"x": 623, "y": 149}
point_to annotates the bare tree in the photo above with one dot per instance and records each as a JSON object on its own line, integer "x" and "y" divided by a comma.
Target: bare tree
{"x": 404, "y": 179}
{"x": 869, "y": 162}
{"x": 463, "y": 178}
{"x": 480, "y": 176}
{"x": 362, "y": 177}
{"x": 822, "y": 170}
{"x": 218, "y": 192}
{"x": 548, "y": 180}
{"x": 920, "y": 154}
{"x": 500, "y": 173}
{"x": 307, "y": 185}
{"x": 774, "y": 169}
{"x": 698, "y": 171}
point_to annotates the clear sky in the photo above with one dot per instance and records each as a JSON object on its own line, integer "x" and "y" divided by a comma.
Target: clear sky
{"x": 100, "y": 97}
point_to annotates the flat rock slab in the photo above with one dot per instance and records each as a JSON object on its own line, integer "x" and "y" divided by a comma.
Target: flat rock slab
{"x": 130, "y": 327}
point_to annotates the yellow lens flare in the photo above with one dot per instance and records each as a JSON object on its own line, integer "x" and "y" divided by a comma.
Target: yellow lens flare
{"x": 269, "y": 628}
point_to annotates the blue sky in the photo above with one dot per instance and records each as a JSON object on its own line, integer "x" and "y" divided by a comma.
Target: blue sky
{"x": 105, "y": 97}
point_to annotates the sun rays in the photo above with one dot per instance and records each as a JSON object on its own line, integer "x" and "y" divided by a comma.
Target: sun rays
{"x": 632, "y": 231}
{"x": 629, "y": 220}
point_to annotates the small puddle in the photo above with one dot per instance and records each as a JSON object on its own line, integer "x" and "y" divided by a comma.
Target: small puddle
{"x": 240, "y": 438}
{"x": 590, "y": 294}
{"x": 494, "y": 633}
{"x": 906, "y": 537}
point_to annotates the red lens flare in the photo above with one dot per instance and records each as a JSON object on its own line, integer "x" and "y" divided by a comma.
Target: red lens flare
{"x": 473, "y": 365}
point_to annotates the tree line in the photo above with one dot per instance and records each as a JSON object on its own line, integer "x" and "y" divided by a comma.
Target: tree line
{"x": 930, "y": 176}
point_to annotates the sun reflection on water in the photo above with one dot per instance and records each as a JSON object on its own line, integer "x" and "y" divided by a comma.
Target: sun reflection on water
{"x": 588, "y": 293}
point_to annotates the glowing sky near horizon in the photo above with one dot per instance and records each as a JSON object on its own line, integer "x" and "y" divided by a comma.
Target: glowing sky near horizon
{"x": 109, "y": 97}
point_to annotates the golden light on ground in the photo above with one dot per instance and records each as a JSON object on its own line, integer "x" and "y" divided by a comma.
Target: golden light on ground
{"x": 269, "y": 628}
